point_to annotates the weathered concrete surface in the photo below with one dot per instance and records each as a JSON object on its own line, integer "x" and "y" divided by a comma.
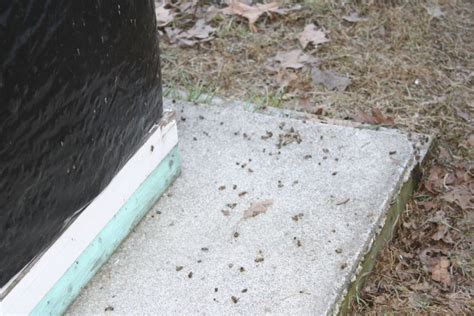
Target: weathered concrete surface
{"x": 195, "y": 254}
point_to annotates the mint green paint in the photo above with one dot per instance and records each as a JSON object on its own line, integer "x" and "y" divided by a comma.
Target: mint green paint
{"x": 96, "y": 254}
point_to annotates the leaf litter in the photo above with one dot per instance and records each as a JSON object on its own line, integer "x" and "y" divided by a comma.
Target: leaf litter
{"x": 330, "y": 79}
{"x": 437, "y": 264}
{"x": 294, "y": 59}
{"x": 163, "y": 16}
{"x": 311, "y": 35}
{"x": 375, "y": 118}
{"x": 253, "y": 12}
{"x": 200, "y": 32}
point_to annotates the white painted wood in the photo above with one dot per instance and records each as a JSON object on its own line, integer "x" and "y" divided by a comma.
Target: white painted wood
{"x": 48, "y": 269}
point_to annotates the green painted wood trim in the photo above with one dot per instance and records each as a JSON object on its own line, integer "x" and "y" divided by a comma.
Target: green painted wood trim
{"x": 65, "y": 291}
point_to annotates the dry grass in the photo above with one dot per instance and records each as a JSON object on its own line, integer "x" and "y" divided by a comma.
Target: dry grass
{"x": 415, "y": 68}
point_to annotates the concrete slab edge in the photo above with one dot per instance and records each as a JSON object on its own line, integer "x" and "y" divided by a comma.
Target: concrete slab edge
{"x": 212, "y": 100}
{"x": 395, "y": 205}
{"x": 387, "y": 227}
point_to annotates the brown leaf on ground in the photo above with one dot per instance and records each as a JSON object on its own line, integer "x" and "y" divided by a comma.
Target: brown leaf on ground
{"x": 375, "y": 118}
{"x": 457, "y": 177}
{"x": 312, "y": 35}
{"x": 461, "y": 195}
{"x": 428, "y": 205}
{"x": 381, "y": 119}
{"x": 293, "y": 8}
{"x": 284, "y": 79}
{"x": 163, "y": 16}
{"x": 294, "y": 59}
{"x": 200, "y": 32}
{"x": 438, "y": 217}
{"x": 434, "y": 183}
{"x": 251, "y": 12}
{"x": 443, "y": 234}
{"x": 354, "y": 18}
{"x": 440, "y": 271}
{"x": 330, "y": 79}
{"x": 183, "y": 6}
{"x": 436, "y": 264}
{"x": 257, "y": 208}
{"x": 211, "y": 13}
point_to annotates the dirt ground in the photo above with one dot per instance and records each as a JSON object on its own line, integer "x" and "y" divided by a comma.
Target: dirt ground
{"x": 405, "y": 64}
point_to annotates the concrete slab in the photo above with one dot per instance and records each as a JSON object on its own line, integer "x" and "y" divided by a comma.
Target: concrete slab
{"x": 327, "y": 190}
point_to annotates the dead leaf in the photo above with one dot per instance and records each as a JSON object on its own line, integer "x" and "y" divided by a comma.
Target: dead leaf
{"x": 329, "y": 79}
{"x": 257, "y": 208}
{"x": 381, "y": 119}
{"x": 294, "y": 59}
{"x": 183, "y": 6}
{"x": 439, "y": 218}
{"x": 428, "y": 205}
{"x": 285, "y": 79}
{"x": 211, "y": 13}
{"x": 363, "y": 117}
{"x": 440, "y": 272}
{"x": 460, "y": 195}
{"x": 354, "y": 18}
{"x": 444, "y": 154}
{"x": 251, "y": 12}
{"x": 442, "y": 230}
{"x": 434, "y": 10}
{"x": 312, "y": 35}
{"x": 283, "y": 11}
{"x": 434, "y": 183}
{"x": 163, "y": 15}
{"x": 428, "y": 256}
{"x": 443, "y": 234}
{"x": 436, "y": 264}
{"x": 375, "y": 118}
{"x": 459, "y": 176}
{"x": 200, "y": 32}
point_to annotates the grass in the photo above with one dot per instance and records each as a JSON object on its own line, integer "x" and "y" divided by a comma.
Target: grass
{"x": 269, "y": 99}
{"x": 414, "y": 67}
